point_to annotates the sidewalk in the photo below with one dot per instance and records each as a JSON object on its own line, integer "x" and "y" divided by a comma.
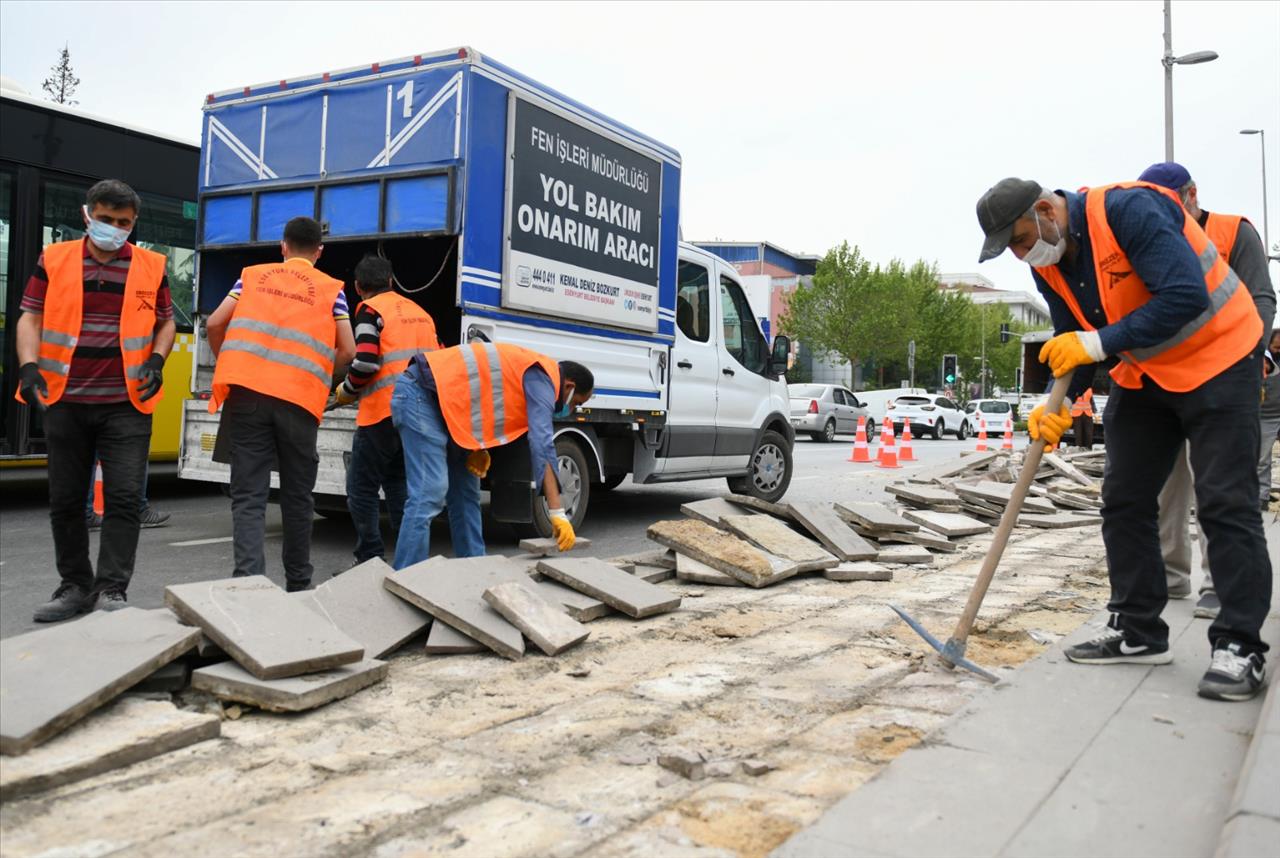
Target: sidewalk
{"x": 1071, "y": 760}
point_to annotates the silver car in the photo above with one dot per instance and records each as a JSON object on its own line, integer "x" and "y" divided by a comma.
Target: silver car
{"x": 826, "y": 410}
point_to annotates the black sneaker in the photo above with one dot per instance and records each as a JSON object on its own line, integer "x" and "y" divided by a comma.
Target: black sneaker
{"x": 1208, "y": 606}
{"x": 1111, "y": 647}
{"x": 68, "y": 600}
{"x": 112, "y": 600}
{"x": 296, "y": 586}
{"x": 1232, "y": 675}
{"x": 149, "y": 517}
{"x": 93, "y": 520}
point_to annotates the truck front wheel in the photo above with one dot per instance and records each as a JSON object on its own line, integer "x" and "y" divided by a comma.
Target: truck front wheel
{"x": 575, "y": 491}
{"x": 769, "y": 472}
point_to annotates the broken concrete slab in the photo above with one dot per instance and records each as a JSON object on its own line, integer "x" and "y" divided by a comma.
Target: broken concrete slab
{"x": 609, "y": 584}
{"x": 174, "y": 676}
{"x": 664, "y": 557}
{"x": 781, "y": 510}
{"x": 925, "y": 497}
{"x": 712, "y": 510}
{"x": 949, "y": 524}
{"x": 988, "y": 493}
{"x": 230, "y": 681}
{"x": 546, "y": 546}
{"x": 923, "y": 538}
{"x": 541, "y": 621}
{"x": 694, "y": 572}
{"x": 722, "y": 551}
{"x": 128, "y": 731}
{"x": 971, "y": 462}
{"x": 874, "y": 517}
{"x": 1067, "y": 469}
{"x": 911, "y": 554}
{"x": 1060, "y": 520}
{"x": 652, "y": 574}
{"x": 53, "y": 677}
{"x": 444, "y": 639}
{"x": 821, "y": 520}
{"x": 861, "y": 570}
{"x": 358, "y": 604}
{"x": 262, "y": 627}
{"x": 451, "y": 590}
{"x": 207, "y": 649}
{"x": 776, "y": 537}
{"x": 579, "y": 606}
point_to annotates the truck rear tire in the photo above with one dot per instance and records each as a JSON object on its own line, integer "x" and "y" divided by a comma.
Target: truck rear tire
{"x": 770, "y": 473}
{"x": 575, "y": 491}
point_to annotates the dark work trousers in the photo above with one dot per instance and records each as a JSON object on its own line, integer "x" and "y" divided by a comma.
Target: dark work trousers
{"x": 270, "y": 434}
{"x": 377, "y": 462}
{"x": 1083, "y": 429}
{"x": 1145, "y": 429}
{"x": 121, "y": 435}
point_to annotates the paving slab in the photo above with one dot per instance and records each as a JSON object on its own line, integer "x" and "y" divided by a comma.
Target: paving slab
{"x": 452, "y": 590}
{"x": 1058, "y": 520}
{"x": 609, "y": 584}
{"x": 272, "y": 635}
{"x": 444, "y": 639}
{"x": 360, "y": 606}
{"x": 722, "y": 551}
{"x": 924, "y": 538}
{"x": 694, "y": 572}
{"x": 821, "y": 520}
{"x": 860, "y": 570}
{"x": 53, "y": 677}
{"x": 542, "y": 621}
{"x": 207, "y": 649}
{"x": 130, "y": 730}
{"x": 781, "y": 510}
{"x": 1067, "y": 469}
{"x": 658, "y": 557}
{"x": 925, "y": 496}
{"x": 652, "y": 574}
{"x": 712, "y": 510}
{"x": 965, "y": 464}
{"x": 776, "y": 537}
{"x": 909, "y": 554}
{"x": 579, "y": 606}
{"x": 874, "y": 517}
{"x": 981, "y": 512}
{"x": 546, "y": 546}
{"x": 949, "y": 524}
{"x": 230, "y": 681}
{"x": 174, "y": 676}
{"x": 998, "y": 495}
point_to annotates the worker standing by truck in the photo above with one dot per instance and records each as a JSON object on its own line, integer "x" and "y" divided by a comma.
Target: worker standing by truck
{"x": 96, "y": 327}
{"x": 1128, "y": 272}
{"x": 278, "y": 336}
{"x": 1082, "y": 417}
{"x": 389, "y": 330}
{"x": 451, "y": 407}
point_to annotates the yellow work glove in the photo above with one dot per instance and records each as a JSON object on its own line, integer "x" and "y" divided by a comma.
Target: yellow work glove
{"x": 1048, "y": 426}
{"x": 561, "y": 529}
{"x": 339, "y": 398}
{"x": 1067, "y": 351}
{"x": 478, "y": 462}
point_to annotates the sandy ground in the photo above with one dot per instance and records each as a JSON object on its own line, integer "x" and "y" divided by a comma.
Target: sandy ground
{"x": 479, "y": 756}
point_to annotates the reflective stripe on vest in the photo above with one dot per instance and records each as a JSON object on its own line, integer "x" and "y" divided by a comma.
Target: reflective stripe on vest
{"x": 63, "y": 318}
{"x": 407, "y": 330}
{"x": 280, "y": 341}
{"x": 492, "y": 412}
{"x": 1217, "y": 338}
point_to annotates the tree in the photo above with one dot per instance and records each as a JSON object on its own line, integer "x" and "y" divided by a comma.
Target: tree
{"x": 61, "y": 85}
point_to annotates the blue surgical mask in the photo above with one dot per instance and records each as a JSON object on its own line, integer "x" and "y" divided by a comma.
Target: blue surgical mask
{"x": 565, "y": 408}
{"x": 105, "y": 236}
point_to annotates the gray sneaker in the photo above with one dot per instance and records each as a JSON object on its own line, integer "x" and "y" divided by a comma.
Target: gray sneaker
{"x": 68, "y": 600}
{"x": 1208, "y": 606}
{"x": 112, "y": 600}
{"x": 1232, "y": 675}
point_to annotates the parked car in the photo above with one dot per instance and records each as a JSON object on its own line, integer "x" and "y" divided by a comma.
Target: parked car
{"x": 994, "y": 411}
{"x": 826, "y": 410}
{"x": 931, "y": 414}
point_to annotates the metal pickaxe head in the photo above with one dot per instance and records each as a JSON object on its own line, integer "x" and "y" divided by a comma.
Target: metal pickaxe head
{"x": 951, "y": 653}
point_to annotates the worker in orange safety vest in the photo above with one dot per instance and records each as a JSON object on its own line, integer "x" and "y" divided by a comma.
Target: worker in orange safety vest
{"x": 1082, "y": 417}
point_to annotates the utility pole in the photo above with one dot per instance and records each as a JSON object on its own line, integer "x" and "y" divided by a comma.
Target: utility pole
{"x": 983, "y": 380}
{"x": 1169, "y": 61}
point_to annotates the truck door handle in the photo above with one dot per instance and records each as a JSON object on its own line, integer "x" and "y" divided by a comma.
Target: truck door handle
{"x": 684, "y": 364}
{"x": 728, "y": 371}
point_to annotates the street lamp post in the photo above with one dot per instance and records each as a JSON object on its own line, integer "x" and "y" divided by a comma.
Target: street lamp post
{"x": 1262, "y": 139}
{"x": 1169, "y": 61}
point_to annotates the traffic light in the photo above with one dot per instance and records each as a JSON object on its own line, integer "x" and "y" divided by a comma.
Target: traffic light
{"x": 949, "y": 368}
{"x": 1004, "y": 332}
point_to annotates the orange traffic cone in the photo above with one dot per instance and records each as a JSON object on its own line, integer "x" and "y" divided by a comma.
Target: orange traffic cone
{"x": 886, "y": 437}
{"x": 861, "y": 452}
{"x": 1008, "y": 433}
{"x": 98, "y": 505}
{"x": 907, "y": 454}
{"x": 982, "y": 435}
{"x": 888, "y": 453}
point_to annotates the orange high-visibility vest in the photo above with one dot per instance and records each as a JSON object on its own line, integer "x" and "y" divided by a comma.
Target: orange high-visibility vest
{"x": 481, "y": 390}
{"x": 1222, "y": 230}
{"x": 1227, "y": 330}
{"x": 282, "y": 336}
{"x": 1083, "y": 406}
{"x": 407, "y": 330}
{"x": 64, "y": 313}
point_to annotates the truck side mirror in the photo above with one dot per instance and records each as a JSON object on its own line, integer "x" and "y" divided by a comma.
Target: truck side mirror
{"x": 780, "y": 355}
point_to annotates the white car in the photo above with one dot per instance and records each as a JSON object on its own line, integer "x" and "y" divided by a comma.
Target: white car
{"x": 930, "y": 414}
{"x": 994, "y": 411}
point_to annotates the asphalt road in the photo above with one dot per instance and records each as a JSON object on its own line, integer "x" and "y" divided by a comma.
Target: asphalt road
{"x": 196, "y": 544}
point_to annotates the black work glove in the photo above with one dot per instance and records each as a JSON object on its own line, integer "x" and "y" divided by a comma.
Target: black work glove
{"x": 151, "y": 377}
{"x": 29, "y": 381}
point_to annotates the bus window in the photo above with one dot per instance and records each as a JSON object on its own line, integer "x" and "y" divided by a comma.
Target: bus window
{"x": 6, "y": 234}
{"x": 62, "y": 219}
{"x": 164, "y": 227}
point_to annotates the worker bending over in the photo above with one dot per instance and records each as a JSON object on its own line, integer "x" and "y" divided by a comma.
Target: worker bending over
{"x": 1127, "y": 272}
{"x": 389, "y": 330}
{"x": 451, "y": 407}
{"x": 278, "y": 336}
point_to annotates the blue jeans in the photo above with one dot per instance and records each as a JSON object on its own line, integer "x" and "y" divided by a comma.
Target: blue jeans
{"x": 377, "y": 462}
{"x": 436, "y": 474}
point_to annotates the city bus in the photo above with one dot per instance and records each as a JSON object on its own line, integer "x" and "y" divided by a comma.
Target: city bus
{"x": 50, "y": 154}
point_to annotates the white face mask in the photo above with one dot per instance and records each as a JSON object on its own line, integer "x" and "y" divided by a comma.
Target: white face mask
{"x": 1043, "y": 253}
